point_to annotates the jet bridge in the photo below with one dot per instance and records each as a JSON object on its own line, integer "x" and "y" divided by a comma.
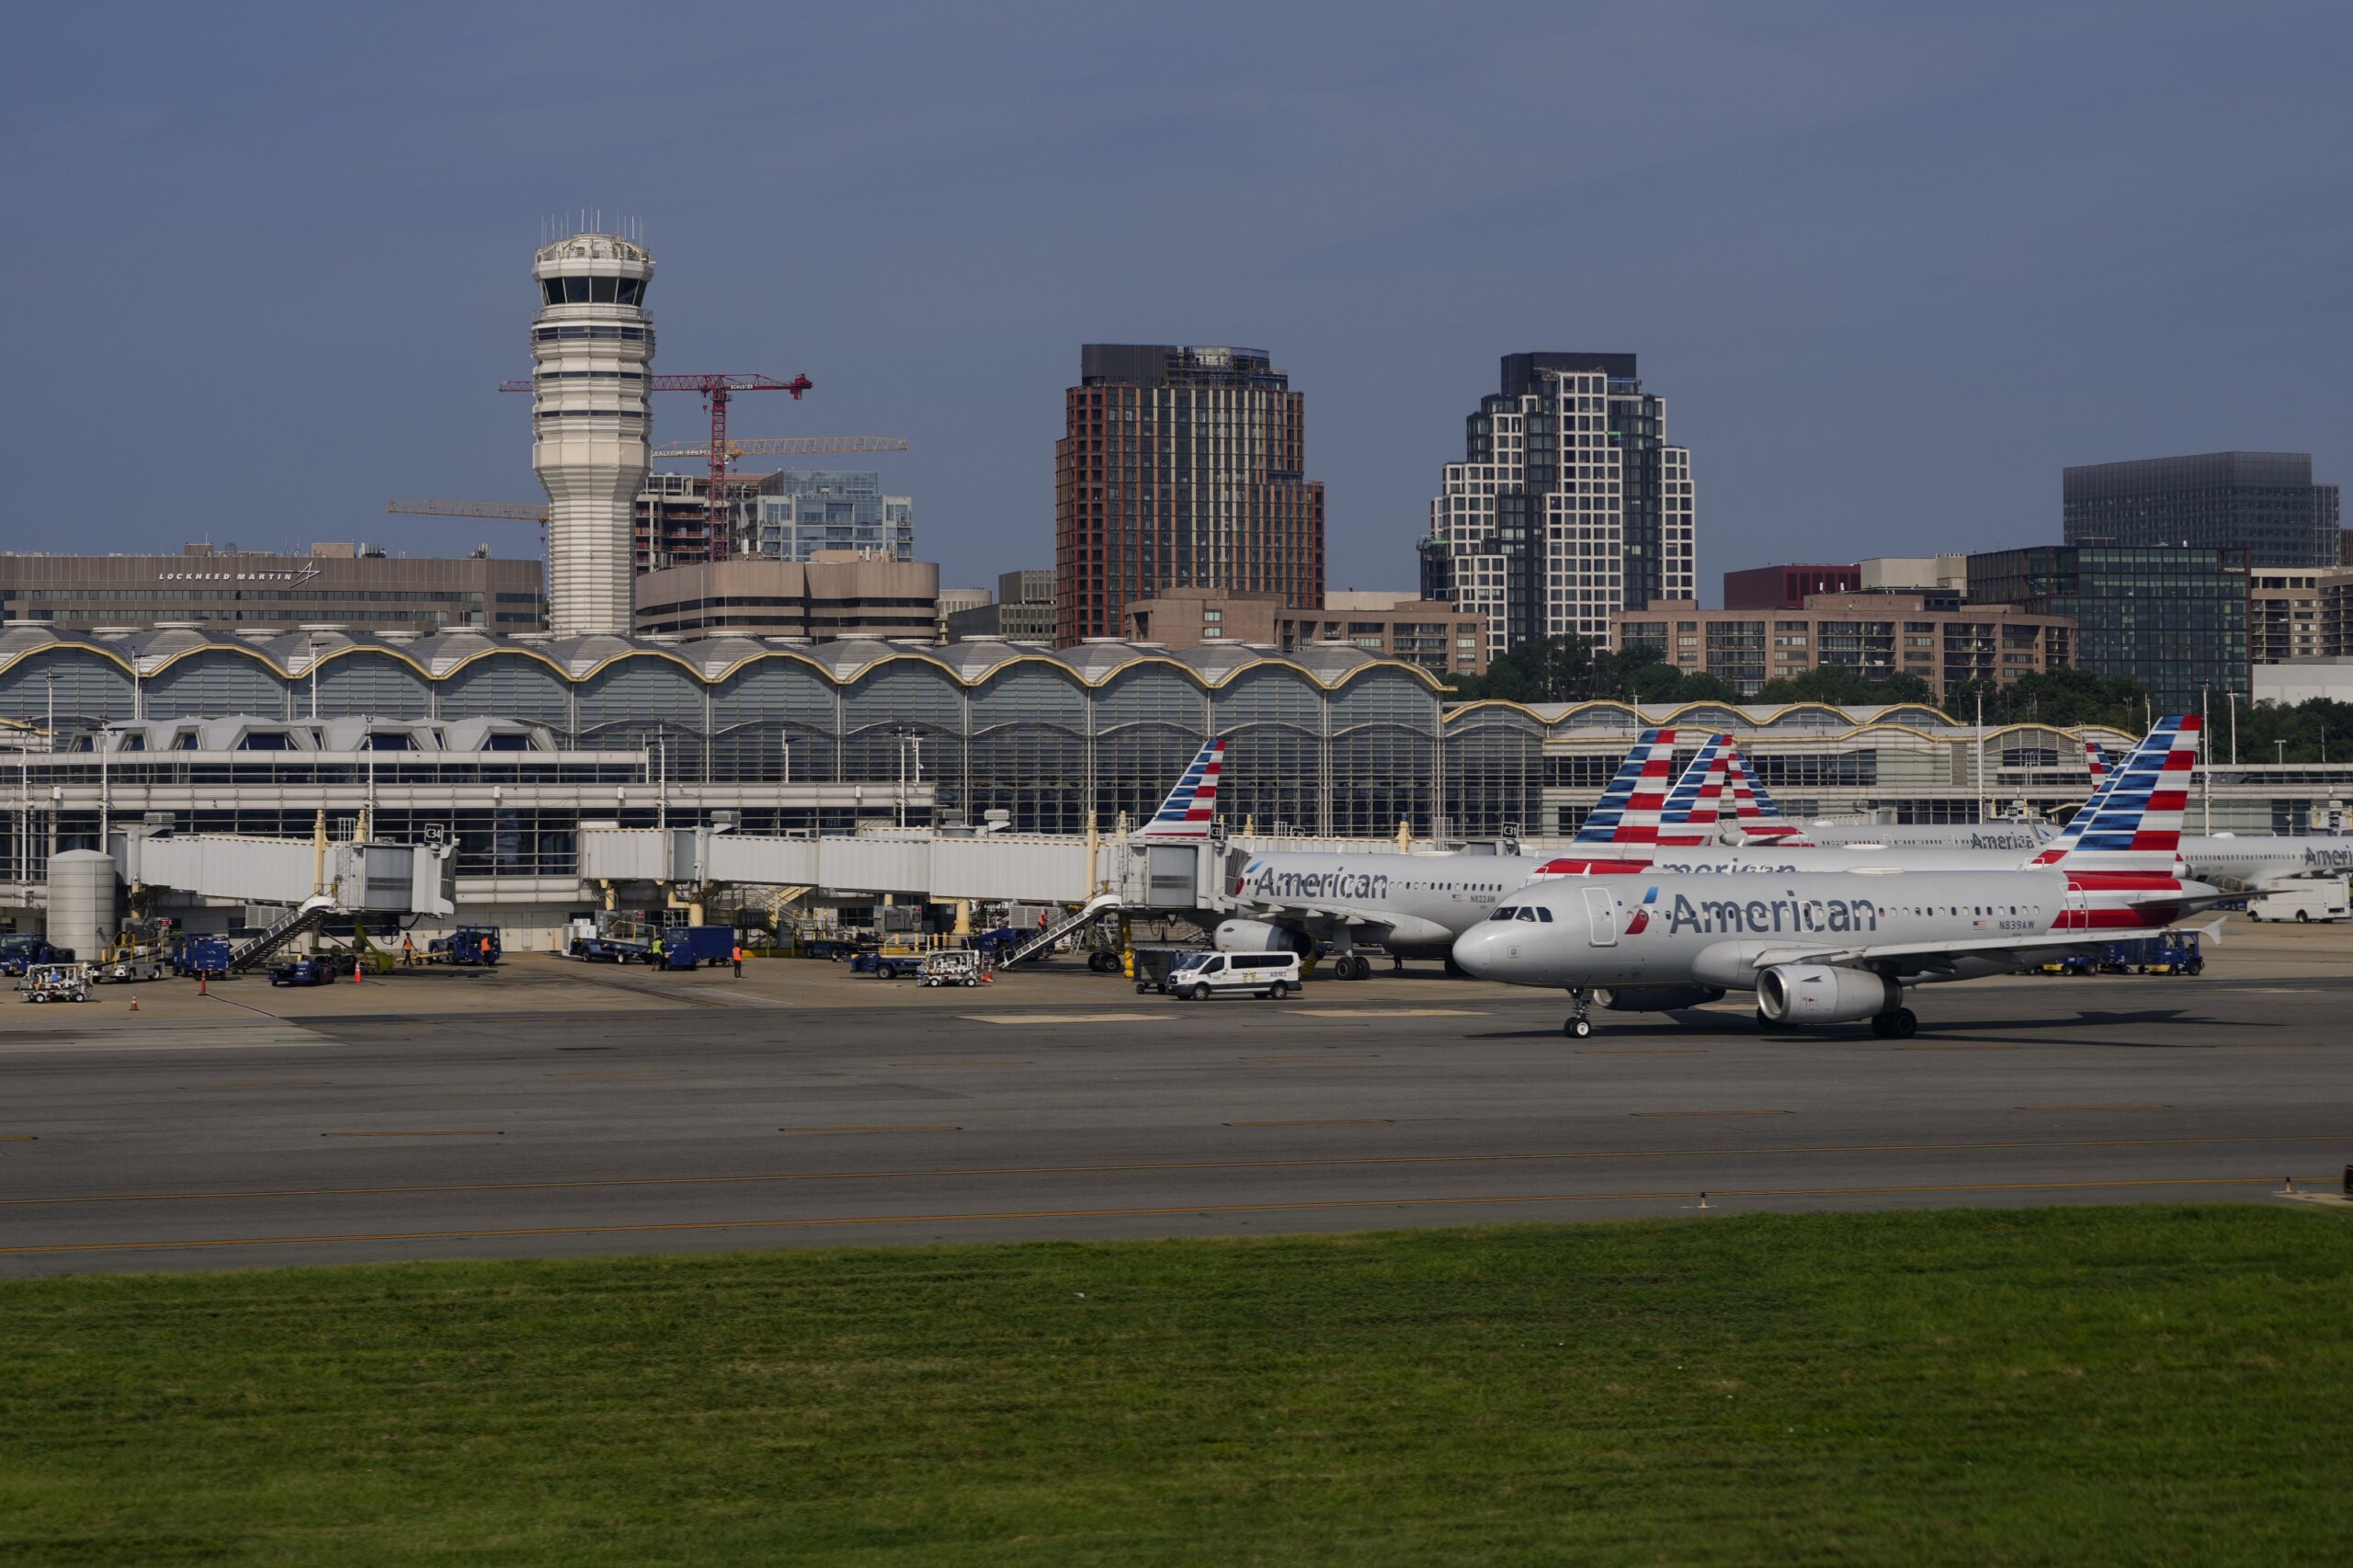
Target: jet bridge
{"x": 992, "y": 867}
{"x": 359, "y": 876}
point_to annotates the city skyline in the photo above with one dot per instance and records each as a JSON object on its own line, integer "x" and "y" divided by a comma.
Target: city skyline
{"x": 1957, "y": 232}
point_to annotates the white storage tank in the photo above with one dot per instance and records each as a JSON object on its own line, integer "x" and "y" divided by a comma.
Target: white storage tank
{"x": 81, "y": 902}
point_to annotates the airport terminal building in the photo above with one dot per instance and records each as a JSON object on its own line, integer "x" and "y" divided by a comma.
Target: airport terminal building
{"x": 508, "y": 746}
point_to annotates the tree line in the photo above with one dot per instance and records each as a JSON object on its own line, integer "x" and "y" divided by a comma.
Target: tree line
{"x": 1571, "y": 668}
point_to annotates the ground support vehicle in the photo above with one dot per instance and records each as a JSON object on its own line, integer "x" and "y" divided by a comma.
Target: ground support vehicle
{"x": 953, "y": 966}
{"x": 319, "y": 970}
{"x": 691, "y": 947}
{"x": 56, "y": 982}
{"x": 21, "y": 954}
{"x": 1269, "y": 975}
{"x": 125, "y": 970}
{"x": 2174, "y": 953}
{"x": 888, "y": 964}
{"x": 1155, "y": 967}
{"x": 2302, "y": 902}
{"x": 467, "y": 947}
{"x": 196, "y": 957}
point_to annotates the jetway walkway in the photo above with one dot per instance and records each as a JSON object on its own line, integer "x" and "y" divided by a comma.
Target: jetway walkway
{"x": 361, "y": 878}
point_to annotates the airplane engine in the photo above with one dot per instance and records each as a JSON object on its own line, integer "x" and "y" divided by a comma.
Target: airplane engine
{"x": 1824, "y": 994}
{"x": 1656, "y": 998}
{"x": 1259, "y": 937}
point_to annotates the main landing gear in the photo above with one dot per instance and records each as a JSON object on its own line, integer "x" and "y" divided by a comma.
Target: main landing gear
{"x": 1351, "y": 966}
{"x": 1578, "y": 1027}
{"x": 1899, "y": 1024}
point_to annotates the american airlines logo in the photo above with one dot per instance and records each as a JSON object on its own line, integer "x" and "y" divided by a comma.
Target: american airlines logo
{"x": 1769, "y": 916}
{"x": 1268, "y": 883}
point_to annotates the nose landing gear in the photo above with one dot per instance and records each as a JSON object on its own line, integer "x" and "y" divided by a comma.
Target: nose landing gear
{"x": 1578, "y": 1027}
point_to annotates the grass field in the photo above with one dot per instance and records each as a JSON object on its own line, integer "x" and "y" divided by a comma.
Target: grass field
{"x": 2063, "y": 1385}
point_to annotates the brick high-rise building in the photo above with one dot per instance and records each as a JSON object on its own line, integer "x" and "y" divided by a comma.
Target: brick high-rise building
{"x": 1180, "y": 468}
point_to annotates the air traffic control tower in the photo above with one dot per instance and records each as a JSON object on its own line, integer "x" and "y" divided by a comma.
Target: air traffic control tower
{"x": 592, "y": 349}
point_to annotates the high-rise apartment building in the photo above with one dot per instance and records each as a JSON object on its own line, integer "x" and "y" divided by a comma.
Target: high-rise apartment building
{"x": 1569, "y": 503}
{"x": 796, "y": 514}
{"x": 1180, "y": 468}
{"x": 2264, "y": 503}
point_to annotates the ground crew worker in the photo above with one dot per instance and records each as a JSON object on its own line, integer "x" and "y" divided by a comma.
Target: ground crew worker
{"x": 408, "y": 951}
{"x": 657, "y": 953}
{"x": 736, "y": 953}
{"x": 485, "y": 950}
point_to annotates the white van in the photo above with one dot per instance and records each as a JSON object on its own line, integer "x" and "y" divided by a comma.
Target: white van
{"x": 1272, "y": 975}
{"x": 2316, "y": 899}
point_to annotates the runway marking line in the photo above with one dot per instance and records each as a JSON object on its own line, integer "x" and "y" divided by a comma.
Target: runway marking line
{"x": 462, "y": 1132}
{"x": 1336, "y": 1121}
{"x": 2145, "y": 1105}
{"x": 267, "y": 1083}
{"x": 1711, "y": 1113}
{"x": 1065, "y": 1018}
{"x": 907, "y": 1128}
{"x": 946, "y": 1066}
{"x": 1317, "y": 1056}
{"x": 21, "y": 1138}
{"x": 1154, "y": 1211}
{"x": 1388, "y": 1013}
{"x": 1321, "y": 1162}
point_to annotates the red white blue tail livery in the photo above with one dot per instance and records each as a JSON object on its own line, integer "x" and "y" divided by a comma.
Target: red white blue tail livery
{"x": 1696, "y": 802}
{"x": 1192, "y": 805}
{"x": 1627, "y": 812}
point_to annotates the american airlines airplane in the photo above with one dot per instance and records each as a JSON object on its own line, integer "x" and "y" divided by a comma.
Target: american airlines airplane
{"x": 1414, "y": 905}
{"x": 2257, "y": 863}
{"x": 1841, "y": 946}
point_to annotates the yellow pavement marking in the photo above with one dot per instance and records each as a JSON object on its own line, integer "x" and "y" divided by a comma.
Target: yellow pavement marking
{"x": 1336, "y": 1121}
{"x": 1286, "y": 1163}
{"x": 1711, "y": 1113}
{"x": 984, "y": 1217}
{"x": 1065, "y": 1018}
{"x": 1388, "y": 1013}
{"x": 908, "y": 1129}
{"x": 2141, "y": 1105}
{"x": 469, "y": 1132}
{"x": 21, "y": 1138}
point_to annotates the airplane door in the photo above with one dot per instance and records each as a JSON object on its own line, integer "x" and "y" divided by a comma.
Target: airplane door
{"x": 1602, "y": 917}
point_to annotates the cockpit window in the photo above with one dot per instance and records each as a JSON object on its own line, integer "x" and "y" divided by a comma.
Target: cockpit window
{"x": 1544, "y": 915}
{"x": 1528, "y": 913}
{"x": 1506, "y": 912}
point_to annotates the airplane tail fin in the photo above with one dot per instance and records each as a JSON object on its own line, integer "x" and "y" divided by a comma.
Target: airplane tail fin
{"x": 2096, "y": 759}
{"x": 2134, "y": 823}
{"x": 1190, "y": 806}
{"x": 1696, "y": 803}
{"x": 1752, "y": 811}
{"x": 1627, "y": 812}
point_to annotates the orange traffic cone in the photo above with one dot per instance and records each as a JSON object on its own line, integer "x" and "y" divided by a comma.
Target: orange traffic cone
{"x": 354, "y": 969}
{"x": 134, "y": 1003}
{"x": 203, "y": 983}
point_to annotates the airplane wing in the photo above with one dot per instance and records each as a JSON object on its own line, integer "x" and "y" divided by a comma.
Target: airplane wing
{"x": 1912, "y": 957}
{"x": 1348, "y": 914}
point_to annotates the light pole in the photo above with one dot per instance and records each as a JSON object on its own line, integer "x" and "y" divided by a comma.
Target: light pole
{"x": 2234, "y": 727}
{"x": 2282, "y": 758}
{"x": 315, "y": 644}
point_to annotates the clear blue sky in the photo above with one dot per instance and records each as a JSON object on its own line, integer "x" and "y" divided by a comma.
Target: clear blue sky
{"x": 1893, "y": 265}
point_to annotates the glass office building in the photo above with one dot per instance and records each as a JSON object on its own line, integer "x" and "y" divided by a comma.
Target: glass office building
{"x": 2172, "y": 619}
{"x": 2264, "y": 503}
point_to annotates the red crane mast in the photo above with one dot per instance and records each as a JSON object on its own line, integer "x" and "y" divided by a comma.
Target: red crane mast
{"x": 715, "y": 391}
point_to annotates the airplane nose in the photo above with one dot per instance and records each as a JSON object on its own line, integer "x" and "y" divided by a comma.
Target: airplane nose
{"x": 1474, "y": 948}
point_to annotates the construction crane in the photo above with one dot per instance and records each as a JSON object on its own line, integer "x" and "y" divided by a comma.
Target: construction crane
{"x": 715, "y": 391}
{"x": 503, "y": 511}
{"x": 787, "y": 446}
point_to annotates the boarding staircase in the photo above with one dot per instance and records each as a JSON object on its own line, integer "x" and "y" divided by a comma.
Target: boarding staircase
{"x": 1094, "y": 909}
{"x": 304, "y": 917}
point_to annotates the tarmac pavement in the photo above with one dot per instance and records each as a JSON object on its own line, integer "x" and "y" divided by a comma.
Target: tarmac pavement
{"x": 548, "y": 1108}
